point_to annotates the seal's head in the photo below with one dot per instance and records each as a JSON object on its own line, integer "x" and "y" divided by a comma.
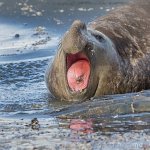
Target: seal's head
{"x": 82, "y": 64}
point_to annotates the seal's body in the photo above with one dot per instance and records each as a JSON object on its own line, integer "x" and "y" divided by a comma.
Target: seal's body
{"x": 110, "y": 56}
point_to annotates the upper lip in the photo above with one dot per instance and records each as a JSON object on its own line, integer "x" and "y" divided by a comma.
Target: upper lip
{"x": 72, "y": 58}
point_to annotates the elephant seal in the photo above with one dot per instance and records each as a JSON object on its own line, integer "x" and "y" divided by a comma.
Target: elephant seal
{"x": 111, "y": 55}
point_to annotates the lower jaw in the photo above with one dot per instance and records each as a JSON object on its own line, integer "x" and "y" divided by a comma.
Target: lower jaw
{"x": 78, "y": 96}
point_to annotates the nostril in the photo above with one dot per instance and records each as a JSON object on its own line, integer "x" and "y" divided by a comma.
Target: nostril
{"x": 75, "y": 39}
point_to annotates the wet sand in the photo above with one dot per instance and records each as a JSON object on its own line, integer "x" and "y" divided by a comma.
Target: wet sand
{"x": 52, "y": 134}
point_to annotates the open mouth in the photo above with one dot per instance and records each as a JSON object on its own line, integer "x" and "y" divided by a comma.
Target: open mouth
{"x": 78, "y": 71}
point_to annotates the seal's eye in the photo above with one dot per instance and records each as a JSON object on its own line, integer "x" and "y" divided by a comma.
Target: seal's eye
{"x": 98, "y": 37}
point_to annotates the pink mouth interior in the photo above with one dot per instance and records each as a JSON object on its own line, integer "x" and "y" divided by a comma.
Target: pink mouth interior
{"x": 78, "y": 71}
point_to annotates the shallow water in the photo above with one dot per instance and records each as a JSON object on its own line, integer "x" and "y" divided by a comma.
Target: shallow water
{"x": 29, "y": 34}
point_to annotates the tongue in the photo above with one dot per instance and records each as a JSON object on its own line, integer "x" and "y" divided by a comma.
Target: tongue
{"x": 78, "y": 75}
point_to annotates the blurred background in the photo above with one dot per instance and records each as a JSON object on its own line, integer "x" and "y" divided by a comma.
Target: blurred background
{"x": 38, "y": 22}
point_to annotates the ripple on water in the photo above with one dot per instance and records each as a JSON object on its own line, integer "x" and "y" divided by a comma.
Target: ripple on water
{"x": 22, "y": 87}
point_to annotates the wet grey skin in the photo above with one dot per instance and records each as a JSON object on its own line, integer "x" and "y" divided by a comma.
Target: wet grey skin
{"x": 118, "y": 48}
